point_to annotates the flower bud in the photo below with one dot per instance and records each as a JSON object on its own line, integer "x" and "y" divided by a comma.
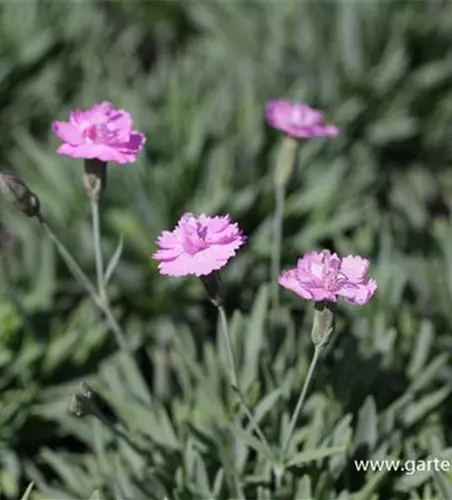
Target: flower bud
{"x": 16, "y": 192}
{"x": 95, "y": 178}
{"x": 323, "y": 324}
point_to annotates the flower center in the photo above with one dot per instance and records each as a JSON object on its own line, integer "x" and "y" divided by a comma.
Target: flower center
{"x": 99, "y": 133}
{"x": 194, "y": 236}
{"x": 296, "y": 116}
{"x": 332, "y": 279}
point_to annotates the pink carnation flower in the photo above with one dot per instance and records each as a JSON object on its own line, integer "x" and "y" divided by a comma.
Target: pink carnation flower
{"x": 298, "y": 120}
{"x": 198, "y": 245}
{"x": 102, "y": 133}
{"x": 324, "y": 276}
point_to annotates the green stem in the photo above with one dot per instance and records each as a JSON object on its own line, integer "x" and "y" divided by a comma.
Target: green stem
{"x": 230, "y": 352}
{"x": 75, "y": 269}
{"x": 301, "y": 400}
{"x": 238, "y": 487}
{"x": 98, "y": 250}
{"x": 278, "y": 219}
{"x": 283, "y": 170}
{"x": 235, "y": 379}
{"x": 130, "y": 366}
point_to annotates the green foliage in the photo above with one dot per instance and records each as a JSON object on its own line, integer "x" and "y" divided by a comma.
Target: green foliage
{"x": 195, "y": 76}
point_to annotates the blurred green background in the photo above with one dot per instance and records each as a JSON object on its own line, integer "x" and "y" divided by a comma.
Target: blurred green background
{"x": 196, "y": 76}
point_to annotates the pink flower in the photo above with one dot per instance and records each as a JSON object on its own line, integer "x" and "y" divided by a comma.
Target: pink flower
{"x": 298, "y": 120}
{"x": 324, "y": 276}
{"x": 198, "y": 245}
{"x": 102, "y": 133}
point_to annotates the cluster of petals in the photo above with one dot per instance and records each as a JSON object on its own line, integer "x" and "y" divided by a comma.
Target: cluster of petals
{"x": 298, "y": 120}
{"x": 198, "y": 245}
{"x": 101, "y": 132}
{"x": 323, "y": 276}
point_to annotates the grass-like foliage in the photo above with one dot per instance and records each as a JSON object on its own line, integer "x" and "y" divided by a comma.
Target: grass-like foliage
{"x": 83, "y": 418}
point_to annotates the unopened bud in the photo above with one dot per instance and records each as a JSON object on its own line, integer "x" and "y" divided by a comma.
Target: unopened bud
{"x": 323, "y": 324}
{"x": 16, "y": 192}
{"x": 212, "y": 284}
{"x": 95, "y": 178}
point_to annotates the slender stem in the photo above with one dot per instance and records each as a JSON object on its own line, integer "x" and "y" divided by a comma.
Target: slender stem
{"x": 235, "y": 379}
{"x": 128, "y": 360}
{"x": 278, "y": 218}
{"x": 117, "y": 432}
{"x": 230, "y": 352}
{"x": 240, "y": 494}
{"x": 278, "y": 474}
{"x": 301, "y": 399}
{"x": 115, "y": 327}
{"x": 285, "y": 162}
{"x": 98, "y": 250}
{"x": 101, "y": 291}
{"x": 234, "y": 383}
{"x": 76, "y": 270}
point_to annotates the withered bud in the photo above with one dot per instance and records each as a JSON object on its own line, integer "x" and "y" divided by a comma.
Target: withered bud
{"x": 213, "y": 286}
{"x": 83, "y": 401}
{"x": 87, "y": 401}
{"x": 95, "y": 178}
{"x": 16, "y": 192}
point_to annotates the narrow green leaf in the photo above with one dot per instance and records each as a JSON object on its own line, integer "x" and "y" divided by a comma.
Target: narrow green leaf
{"x": 218, "y": 483}
{"x": 254, "y": 337}
{"x": 154, "y": 423}
{"x": 304, "y": 487}
{"x": 342, "y": 435}
{"x": 70, "y": 475}
{"x": 266, "y": 404}
{"x": 251, "y": 441}
{"x": 444, "y": 484}
{"x": 317, "y": 454}
{"x": 201, "y": 477}
{"x": 349, "y": 26}
{"x": 429, "y": 373}
{"x": 28, "y": 491}
{"x": 366, "y": 432}
{"x": 419, "y": 409}
{"x": 207, "y": 443}
{"x": 114, "y": 261}
{"x": 421, "y": 351}
{"x": 409, "y": 482}
{"x": 371, "y": 486}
